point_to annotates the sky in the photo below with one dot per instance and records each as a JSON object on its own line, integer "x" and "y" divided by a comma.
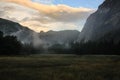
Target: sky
{"x": 73, "y": 3}
{"x": 45, "y": 15}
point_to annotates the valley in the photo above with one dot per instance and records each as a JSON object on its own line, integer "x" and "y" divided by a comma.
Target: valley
{"x": 60, "y": 67}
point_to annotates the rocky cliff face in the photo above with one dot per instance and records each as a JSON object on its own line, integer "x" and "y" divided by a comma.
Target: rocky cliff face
{"x": 105, "y": 20}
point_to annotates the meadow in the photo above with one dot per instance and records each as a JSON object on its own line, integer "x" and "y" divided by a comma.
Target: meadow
{"x": 59, "y": 67}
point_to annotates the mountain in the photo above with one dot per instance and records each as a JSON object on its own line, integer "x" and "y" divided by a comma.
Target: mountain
{"x": 106, "y": 20}
{"x": 25, "y": 35}
{"x": 113, "y": 36}
{"x": 59, "y": 37}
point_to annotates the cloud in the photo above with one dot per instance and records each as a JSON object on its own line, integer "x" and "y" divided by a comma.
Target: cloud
{"x": 56, "y": 11}
{"x": 44, "y": 1}
{"x": 40, "y": 16}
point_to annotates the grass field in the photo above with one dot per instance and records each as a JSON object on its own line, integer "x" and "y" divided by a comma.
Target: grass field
{"x": 60, "y": 67}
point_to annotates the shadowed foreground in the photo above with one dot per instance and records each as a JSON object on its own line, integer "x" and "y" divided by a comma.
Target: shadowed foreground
{"x": 59, "y": 67}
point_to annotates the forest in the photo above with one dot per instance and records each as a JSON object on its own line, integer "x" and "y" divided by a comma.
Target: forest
{"x": 11, "y": 46}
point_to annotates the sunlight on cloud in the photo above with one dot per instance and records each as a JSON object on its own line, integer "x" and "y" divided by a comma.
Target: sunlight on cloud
{"x": 44, "y": 1}
{"x": 38, "y": 16}
{"x": 35, "y": 25}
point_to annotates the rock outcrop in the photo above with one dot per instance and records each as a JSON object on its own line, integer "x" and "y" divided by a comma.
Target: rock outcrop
{"x": 105, "y": 20}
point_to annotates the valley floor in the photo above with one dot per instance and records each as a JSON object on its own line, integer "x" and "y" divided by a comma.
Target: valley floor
{"x": 60, "y": 67}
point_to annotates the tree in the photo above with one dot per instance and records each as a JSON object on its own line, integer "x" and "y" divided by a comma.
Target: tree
{"x": 9, "y": 45}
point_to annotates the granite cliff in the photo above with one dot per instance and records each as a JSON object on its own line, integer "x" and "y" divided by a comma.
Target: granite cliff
{"x": 104, "y": 21}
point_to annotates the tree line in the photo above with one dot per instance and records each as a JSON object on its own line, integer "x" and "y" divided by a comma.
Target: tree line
{"x": 9, "y": 45}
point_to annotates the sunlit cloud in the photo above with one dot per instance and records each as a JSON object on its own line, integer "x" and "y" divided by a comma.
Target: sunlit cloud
{"x": 44, "y": 1}
{"x": 38, "y": 16}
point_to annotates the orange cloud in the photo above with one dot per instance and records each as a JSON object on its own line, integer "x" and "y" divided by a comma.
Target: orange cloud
{"x": 55, "y": 11}
{"x": 52, "y": 16}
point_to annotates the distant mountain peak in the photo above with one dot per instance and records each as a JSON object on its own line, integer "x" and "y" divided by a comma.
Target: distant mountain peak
{"x": 26, "y": 35}
{"x": 12, "y": 28}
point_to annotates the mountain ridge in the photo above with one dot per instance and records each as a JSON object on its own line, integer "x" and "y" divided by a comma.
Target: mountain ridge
{"x": 26, "y": 35}
{"x": 106, "y": 19}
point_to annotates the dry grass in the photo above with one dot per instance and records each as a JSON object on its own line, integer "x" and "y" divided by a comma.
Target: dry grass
{"x": 58, "y": 67}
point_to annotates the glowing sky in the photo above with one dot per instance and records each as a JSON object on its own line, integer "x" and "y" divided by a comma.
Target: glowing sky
{"x": 49, "y": 14}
